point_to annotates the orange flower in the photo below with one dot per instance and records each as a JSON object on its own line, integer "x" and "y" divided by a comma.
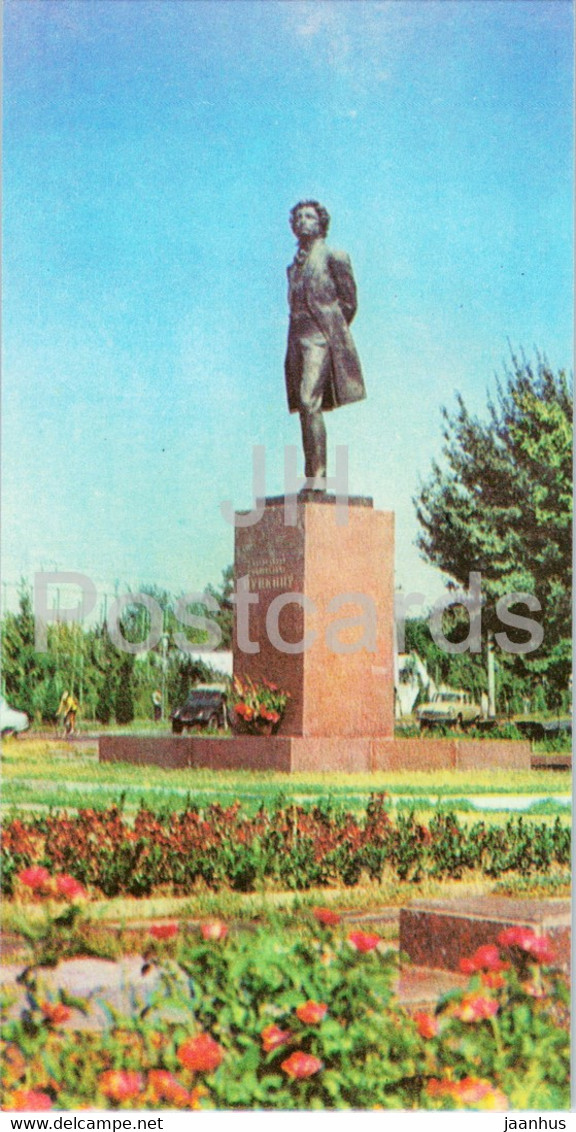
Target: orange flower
{"x": 300, "y": 1065}
{"x": 14, "y": 1063}
{"x": 165, "y": 1087}
{"x": 475, "y": 1008}
{"x": 164, "y": 931}
{"x": 201, "y": 1054}
{"x": 70, "y": 888}
{"x": 363, "y": 941}
{"x": 244, "y": 710}
{"x": 214, "y": 929}
{"x": 56, "y": 1012}
{"x": 312, "y": 1012}
{"x": 27, "y": 1100}
{"x": 120, "y": 1084}
{"x": 326, "y": 916}
{"x": 426, "y": 1024}
{"x": 533, "y": 989}
{"x": 493, "y": 979}
{"x": 467, "y": 966}
{"x": 196, "y": 1095}
{"x": 273, "y": 1037}
{"x": 473, "y": 1091}
{"x": 36, "y": 877}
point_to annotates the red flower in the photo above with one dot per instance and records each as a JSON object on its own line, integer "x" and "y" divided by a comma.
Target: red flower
{"x": 326, "y": 916}
{"x": 541, "y": 949}
{"x": 273, "y": 1037}
{"x": 486, "y": 958}
{"x": 467, "y": 966}
{"x": 363, "y": 941}
{"x": 68, "y": 887}
{"x": 28, "y": 1100}
{"x": 165, "y": 1087}
{"x": 538, "y": 946}
{"x": 201, "y": 1054}
{"x": 312, "y": 1012}
{"x": 426, "y": 1024}
{"x": 214, "y": 929}
{"x": 164, "y": 931}
{"x": 36, "y": 877}
{"x": 56, "y": 1012}
{"x": 516, "y": 937}
{"x": 120, "y": 1084}
{"x": 300, "y": 1065}
{"x": 475, "y": 1007}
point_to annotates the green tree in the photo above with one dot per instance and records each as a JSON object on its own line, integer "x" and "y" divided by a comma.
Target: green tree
{"x": 124, "y": 700}
{"x": 501, "y": 503}
{"x": 225, "y": 617}
{"x": 19, "y": 657}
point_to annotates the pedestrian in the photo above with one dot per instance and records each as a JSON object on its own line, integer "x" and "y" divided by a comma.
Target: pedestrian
{"x": 157, "y": 704}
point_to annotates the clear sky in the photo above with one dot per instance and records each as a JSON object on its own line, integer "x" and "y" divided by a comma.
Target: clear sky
{"x": 153, "y": 149}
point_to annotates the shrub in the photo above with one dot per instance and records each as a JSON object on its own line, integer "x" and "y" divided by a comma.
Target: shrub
{"x": 291, "y": 846}
{"x": 278, "y": 1018}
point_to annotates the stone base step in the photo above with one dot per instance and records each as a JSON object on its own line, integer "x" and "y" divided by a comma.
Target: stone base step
{"x": 438, "y": 933}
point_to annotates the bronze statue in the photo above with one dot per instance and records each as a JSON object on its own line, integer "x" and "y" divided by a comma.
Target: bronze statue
{"x": 322, "y": 366}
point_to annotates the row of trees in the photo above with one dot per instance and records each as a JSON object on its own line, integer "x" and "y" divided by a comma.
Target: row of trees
{"x": 110, "y": 684}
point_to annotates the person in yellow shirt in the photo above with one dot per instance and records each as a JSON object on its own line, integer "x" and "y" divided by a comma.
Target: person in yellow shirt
{"x": 67, "y": 712}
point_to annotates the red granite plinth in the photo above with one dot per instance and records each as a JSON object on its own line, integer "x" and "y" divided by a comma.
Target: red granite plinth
{"x": 143, "y": 750}
{"x": 551, "y": 762}
{"x": 291, "y": 754}
{"x": 332, "y": 647}
{"x": 437, "y": 934}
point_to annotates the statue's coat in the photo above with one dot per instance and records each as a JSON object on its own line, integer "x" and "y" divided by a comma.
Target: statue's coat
{"x": 330, "y": 294}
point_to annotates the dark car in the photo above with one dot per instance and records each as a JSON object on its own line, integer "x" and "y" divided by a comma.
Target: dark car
{"x": 205, "y": 707}
{"x": 536, "y": 729}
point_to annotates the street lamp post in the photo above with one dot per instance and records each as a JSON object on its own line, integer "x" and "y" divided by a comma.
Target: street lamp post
{"x": 164, "y": 667}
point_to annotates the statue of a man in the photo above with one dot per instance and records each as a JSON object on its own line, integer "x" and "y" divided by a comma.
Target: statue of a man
{"x": 322, "y": 366}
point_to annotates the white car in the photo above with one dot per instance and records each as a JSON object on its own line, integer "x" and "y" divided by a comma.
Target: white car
{"x": 11, "y": 721}
{"x": 455, "y": 708}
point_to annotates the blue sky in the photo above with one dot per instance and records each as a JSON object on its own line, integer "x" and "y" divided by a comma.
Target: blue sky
{"x": 152, "y": 152}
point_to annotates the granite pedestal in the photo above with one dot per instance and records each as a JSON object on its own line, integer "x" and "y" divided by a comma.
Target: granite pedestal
{"x": 321, "y": 614}
{"x": 438, "y": 933}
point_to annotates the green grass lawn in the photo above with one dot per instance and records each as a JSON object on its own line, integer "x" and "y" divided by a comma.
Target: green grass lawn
{"x": 52, "y": 773}
{"x": 38, "y": 774}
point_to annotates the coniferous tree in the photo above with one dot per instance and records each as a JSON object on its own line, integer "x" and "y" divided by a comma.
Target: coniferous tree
{"x": 124, "y": 700}
{"x": 501, "y": 503}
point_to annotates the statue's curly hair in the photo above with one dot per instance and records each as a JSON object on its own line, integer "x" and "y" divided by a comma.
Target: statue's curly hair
{"x": 323, "y": 214}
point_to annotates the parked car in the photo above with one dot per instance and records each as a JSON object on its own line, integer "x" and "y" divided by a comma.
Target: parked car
{"x": 536, "y": 729}
{"x": 455, "y": 708}
{"x": 12, "y": 721}
{"x": 204, "y": 707}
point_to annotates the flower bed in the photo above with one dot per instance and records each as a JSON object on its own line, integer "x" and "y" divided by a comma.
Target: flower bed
{"x": 286, "y": 1019}
{"x": 256, "y": 709}
{"x": 287, "y": 846}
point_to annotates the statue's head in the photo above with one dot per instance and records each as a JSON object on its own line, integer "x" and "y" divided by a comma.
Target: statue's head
{"x": 322, "y": 214}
